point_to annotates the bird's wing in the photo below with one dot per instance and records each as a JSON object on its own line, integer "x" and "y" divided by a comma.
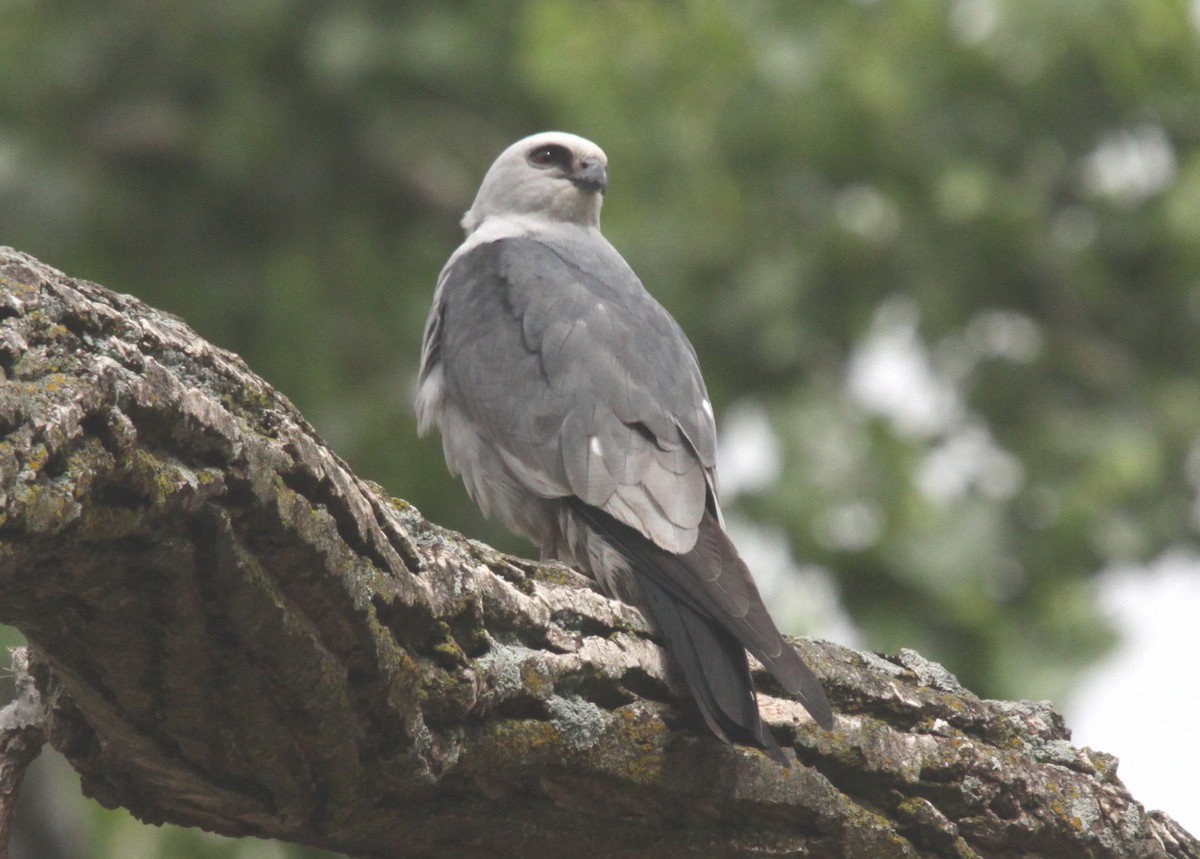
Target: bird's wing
{"x": 579, "y": 379}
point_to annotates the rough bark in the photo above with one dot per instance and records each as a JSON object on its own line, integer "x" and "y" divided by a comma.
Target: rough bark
{"x": 230, "y": 630}
{"x": 22, "y": 734}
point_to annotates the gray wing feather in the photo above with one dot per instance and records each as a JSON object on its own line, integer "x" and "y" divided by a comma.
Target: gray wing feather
{"x": 585, "y": 385}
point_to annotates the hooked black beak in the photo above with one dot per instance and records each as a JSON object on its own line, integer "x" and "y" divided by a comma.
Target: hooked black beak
{"x": 590, "y": 175}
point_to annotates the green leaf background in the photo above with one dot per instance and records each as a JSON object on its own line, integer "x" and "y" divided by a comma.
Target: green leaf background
{"x": 1002, "y": 196}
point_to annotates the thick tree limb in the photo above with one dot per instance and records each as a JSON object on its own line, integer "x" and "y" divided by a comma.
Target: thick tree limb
{"x": 232, "y": 631}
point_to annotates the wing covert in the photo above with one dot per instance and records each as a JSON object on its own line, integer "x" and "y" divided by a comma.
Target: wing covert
{"x": 585, "y": 384}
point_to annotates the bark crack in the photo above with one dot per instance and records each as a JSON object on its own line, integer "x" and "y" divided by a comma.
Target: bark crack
{"x": 229, "y": 629}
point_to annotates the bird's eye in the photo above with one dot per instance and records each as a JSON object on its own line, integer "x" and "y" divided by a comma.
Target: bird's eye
{"x": 550, "y": 155}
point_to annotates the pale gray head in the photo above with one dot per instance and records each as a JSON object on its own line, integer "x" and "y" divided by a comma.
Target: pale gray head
{"x": 553, "y": 175}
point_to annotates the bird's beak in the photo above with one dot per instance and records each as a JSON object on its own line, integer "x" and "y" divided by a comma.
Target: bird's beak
{"x": 590, "y": 175}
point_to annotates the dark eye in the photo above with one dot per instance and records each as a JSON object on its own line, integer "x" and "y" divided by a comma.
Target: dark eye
{"x": 550, "y": 155}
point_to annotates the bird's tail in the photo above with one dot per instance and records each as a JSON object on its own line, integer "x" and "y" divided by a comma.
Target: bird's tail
{"x": 714, "y": 667}
{"x": 708, "y": 610}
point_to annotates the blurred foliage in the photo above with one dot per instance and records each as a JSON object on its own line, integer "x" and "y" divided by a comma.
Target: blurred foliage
{"x": 950, "y": 249}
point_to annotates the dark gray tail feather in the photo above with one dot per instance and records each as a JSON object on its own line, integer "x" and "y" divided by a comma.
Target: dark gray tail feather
{"x": 714, "y": 667}
{"x": 707, "y": 607}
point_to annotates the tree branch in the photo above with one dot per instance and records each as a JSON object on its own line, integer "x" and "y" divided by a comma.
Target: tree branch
{"x": 22, "y": 734}
{"x": 233, "y": 631}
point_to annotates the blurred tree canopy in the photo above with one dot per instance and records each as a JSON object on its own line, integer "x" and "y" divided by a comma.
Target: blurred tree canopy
{"x": 950, "y": 251}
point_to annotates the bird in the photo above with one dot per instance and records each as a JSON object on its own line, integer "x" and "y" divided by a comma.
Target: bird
{"x": 572, "y": 405}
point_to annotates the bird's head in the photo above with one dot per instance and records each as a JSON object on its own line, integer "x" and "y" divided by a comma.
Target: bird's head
{"x": 553, "y": 175}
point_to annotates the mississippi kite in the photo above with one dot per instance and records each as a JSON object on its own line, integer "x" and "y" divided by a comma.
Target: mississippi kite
{"x": 572, "y": 405}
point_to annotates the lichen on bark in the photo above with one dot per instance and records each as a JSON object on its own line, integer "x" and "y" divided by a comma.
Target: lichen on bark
{"x": 233, "y": 631}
